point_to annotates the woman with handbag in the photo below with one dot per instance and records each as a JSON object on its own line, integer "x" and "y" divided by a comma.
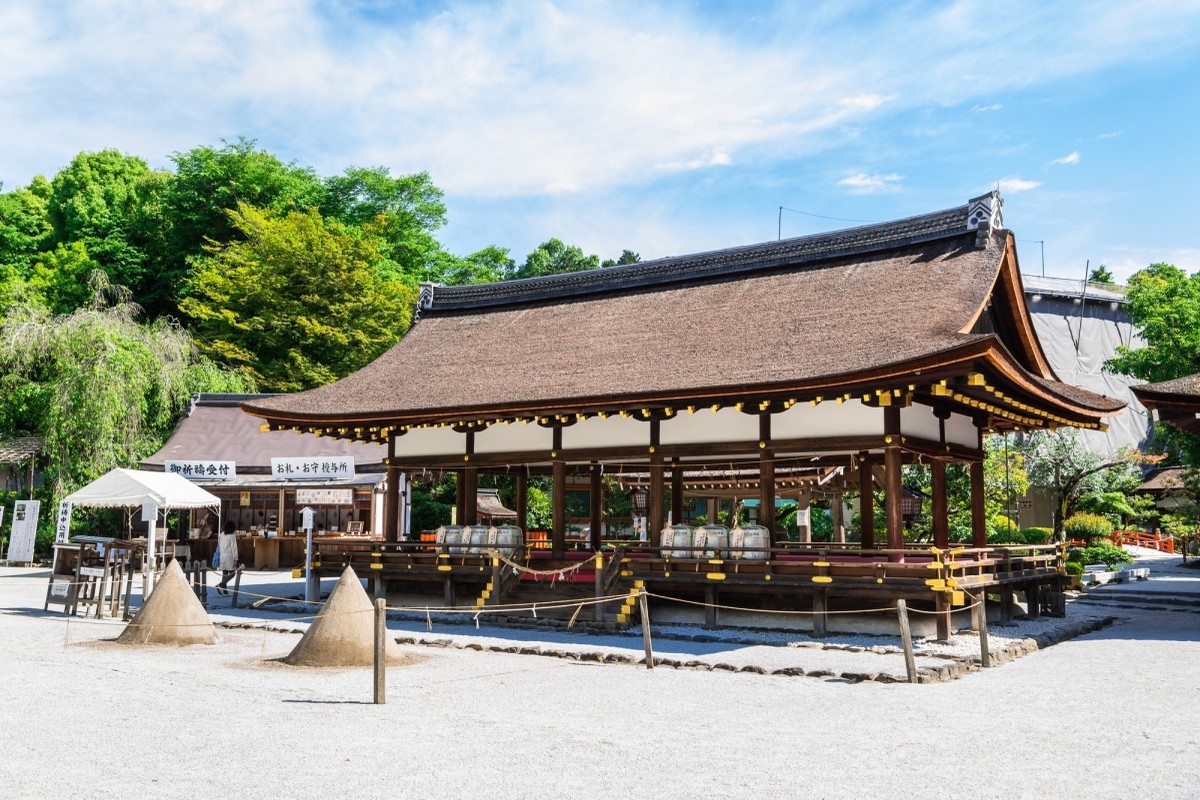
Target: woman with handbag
{"x": 227, "y": 554}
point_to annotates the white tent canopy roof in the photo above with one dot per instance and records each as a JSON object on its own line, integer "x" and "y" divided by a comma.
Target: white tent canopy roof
{"x": 125, "y": 488}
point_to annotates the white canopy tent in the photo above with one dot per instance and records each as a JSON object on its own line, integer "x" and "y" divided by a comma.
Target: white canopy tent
{"x": 130, "y": 488}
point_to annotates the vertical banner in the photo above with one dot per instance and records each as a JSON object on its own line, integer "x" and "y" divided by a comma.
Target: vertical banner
{"x": 24, "y": 530}
{"x": 63, "y": 531}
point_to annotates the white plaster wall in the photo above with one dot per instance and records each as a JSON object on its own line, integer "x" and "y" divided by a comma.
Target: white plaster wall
{"x": 514, "y": 438}
{"x": 431, "y": 442}
{"x": 919, "y": 421}
{"x": 610, "y": 432}
{"x": 960, "y": 429}
{"x": 725, "y": 425}
{"x": 828, "y": 418}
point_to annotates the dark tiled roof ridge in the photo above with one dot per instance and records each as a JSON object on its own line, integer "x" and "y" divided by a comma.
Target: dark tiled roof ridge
{"x": 699, "y": 266}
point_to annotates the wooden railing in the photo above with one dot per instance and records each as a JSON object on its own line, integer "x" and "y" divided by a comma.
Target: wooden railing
{"x": 1164, "y": 543}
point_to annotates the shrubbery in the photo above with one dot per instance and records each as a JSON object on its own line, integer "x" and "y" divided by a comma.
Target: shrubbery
{"x": 1105, "y": 553}
{"x": 1087, "y": 527}
{"x": 1036, "y": 535}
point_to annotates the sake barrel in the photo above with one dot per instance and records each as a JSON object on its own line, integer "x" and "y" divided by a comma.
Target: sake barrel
{"x": 716, "y": 540}
{"x": 476, "y": 539}
{"x": 682, "y": 541}
{"x": 757, "y": 542}
{"x": 453, "y": 538}
{"x": 508, "y": 539}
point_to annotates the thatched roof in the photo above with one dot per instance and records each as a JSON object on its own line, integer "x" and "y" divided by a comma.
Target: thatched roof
{"x": 20, "y": 449}
{"x": 1175, "y": 402}
{"x": 803, "y": 314}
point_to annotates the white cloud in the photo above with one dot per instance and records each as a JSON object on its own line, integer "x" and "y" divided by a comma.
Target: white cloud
{"x": 1070, "y": 158}
{"x": 1017, "y": 185}
{"x": 992, "y": 107}
{"x": 863, "y": 183}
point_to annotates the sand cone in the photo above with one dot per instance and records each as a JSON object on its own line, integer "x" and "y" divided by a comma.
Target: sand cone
{"x": 343, "y": 634}
{"x": 172, "y": 614}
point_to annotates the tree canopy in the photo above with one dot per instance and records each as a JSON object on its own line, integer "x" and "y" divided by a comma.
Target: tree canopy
{"x": 299, "y": 301}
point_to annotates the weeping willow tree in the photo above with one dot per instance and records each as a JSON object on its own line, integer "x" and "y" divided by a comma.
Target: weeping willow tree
{"x": 101, "y": 388}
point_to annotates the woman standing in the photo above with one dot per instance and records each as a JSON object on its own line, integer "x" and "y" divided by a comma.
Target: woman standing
{"x": 227, "y": 552}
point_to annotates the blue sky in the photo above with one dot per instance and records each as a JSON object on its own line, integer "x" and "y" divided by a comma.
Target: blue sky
{"x": 661, "y": 127}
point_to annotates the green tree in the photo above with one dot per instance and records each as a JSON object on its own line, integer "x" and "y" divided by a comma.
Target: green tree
{"x": 1101, "y": 275}
{"x": 1059, "y": 461}
{"x": 103, "y": 390}
{"x": 1164, "y": 303}
{"x": 63, "y": 277}
{"x": 626, "y": 257}
{"x": 100, "y": 200}
{"x": 24, "y": 226}
{"x": 553, "y": 257}
{"x": 209, "y": 183}
{"x": 296, "y": 302}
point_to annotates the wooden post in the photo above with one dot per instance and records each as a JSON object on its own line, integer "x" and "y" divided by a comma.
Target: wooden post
{"x": 766, "y": 477}
{"x": 497, "y": 576}
{"x": 595, "y": 508}
{"x": 448, "y": 591}
{"x": 645, "y": 609}
{"x": 978, "y": 511}
{"x": 676, "y": 492}
{"x": 656, "y": 518}
{"x": 391, "y": 500}
{"x": 941, "y": 604}
{"x": 941, "y": 512}
{"x": 894, "y": 494}
{"x": 866, "y": 504}
{"x": 820, "y": 615}
{"x": 380, "y": 651}
{"x": 838, "y": 512}
{"x": 558, "y": 501}
{"x": 710, "y": 607}
{"x": 599, "y": 584}
{"x": 804, "y": 511}
{"x": 522, "y": 503}
{"x": 910, "y": 660}
{"x": 237, "y": 584}
{"x": 470, "y": 477}
{"x": 1033, "y": 598}
{"x": 1006, "y": 604}
{"x": 979, "y": 616}
{"x": 460, "y": 498}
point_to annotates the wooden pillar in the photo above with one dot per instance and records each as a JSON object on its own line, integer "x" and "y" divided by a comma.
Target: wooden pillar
{"x": 460, "y": 498}
{"x": 941, "y": 512}
{"x": 866, "y": 505}
{"x": 892, "y": 472}
{"x": 470, "y": 479}
{"x": 522, "y": 502}
{"x": 838, "y": 513}
{"x": 676, "y": 492}
{"x": 595, "y": 507}
{"x": 655, "y": 517}
{"x": 804, "y": 515}
{"x": 978, "y": 511}
{"x": 766, "y": 477}
{"x": 558, "y": 500}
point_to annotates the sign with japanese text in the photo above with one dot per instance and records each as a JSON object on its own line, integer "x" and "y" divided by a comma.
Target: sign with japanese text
{"x": 24, "y": 530}
{"x": 307, "y": 468}
{"x": 325, "y": 497}
{"x": 63, "y": 529}
{"x": 201, "y": 469}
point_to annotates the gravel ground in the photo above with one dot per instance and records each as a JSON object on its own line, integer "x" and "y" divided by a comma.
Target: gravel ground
{"x": 1106, "y": 714}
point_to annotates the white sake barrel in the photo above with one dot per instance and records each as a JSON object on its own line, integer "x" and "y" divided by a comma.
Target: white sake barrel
{"x": 716, "y": 540}
{"x": 453, "y": 538}
{"x": 508, "y": 539}
{"x": 683, "y": 542}
{"x": 757, "y": 541}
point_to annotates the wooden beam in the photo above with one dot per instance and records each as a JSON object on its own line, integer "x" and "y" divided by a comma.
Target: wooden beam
{"x": 676, "y": 492}
{"x": 460, "y": 498}
{"x": 655, "y": 518}
{"x": 391, "y": 506}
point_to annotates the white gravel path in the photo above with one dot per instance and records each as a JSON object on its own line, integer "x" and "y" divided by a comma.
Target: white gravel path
{"x": 1109, "y": 714}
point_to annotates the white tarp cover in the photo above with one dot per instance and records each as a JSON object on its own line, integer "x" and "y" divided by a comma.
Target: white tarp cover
{"x": 126, "y": 488}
